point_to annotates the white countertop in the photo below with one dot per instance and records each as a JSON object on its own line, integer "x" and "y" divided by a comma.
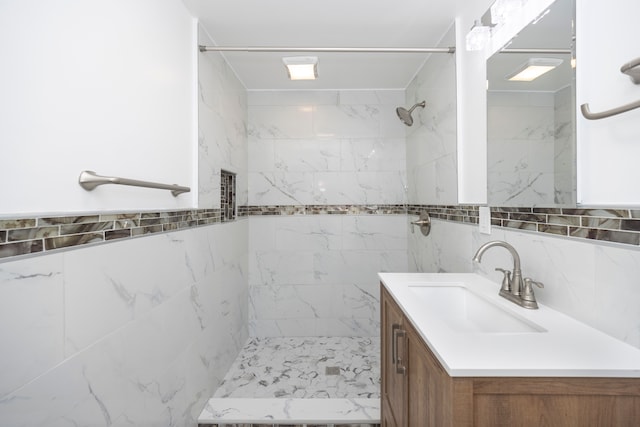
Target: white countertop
{"x": 565, "y": 347}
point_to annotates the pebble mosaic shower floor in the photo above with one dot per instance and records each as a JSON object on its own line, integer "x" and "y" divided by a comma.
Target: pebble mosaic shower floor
{"x": 292, "y": 368}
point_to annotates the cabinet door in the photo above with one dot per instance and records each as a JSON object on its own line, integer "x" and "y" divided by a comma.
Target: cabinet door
{"x": 393, "y": 381}
{"x": 435, "y": 399}
{"x": 427, "y": 386}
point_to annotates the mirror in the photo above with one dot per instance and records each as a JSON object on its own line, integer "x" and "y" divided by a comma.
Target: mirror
{"x": 531, "y": 140}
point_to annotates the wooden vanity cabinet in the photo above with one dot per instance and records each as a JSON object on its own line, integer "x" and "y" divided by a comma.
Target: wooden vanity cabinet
{"x": 393, "y": 383}
{"x": 418, "y": 392}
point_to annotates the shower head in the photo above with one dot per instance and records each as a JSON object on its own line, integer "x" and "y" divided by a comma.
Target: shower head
{"x": 405, "y": 115}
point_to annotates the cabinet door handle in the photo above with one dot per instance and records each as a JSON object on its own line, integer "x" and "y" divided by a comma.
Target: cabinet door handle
{"x": 394, "y": 343}
{"x": 400, "y": 368}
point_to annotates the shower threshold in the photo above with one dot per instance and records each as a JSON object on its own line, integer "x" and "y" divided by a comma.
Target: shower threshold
{"x": 297, "y": 412}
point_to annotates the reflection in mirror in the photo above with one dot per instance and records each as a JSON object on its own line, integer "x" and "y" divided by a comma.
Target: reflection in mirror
{"x": 531, "y": 123}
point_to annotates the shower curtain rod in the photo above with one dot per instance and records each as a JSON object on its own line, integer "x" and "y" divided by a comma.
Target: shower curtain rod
{"x": 451, "y": 49}
{"x": 538, "y": 51}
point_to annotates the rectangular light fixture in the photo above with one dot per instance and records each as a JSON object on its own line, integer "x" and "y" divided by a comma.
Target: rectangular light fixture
{"x": 533, "y": 68}
{"x": 301, "y": 67}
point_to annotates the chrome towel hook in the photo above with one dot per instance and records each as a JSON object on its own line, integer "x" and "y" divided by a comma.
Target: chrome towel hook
{"x": 632, "y": 69}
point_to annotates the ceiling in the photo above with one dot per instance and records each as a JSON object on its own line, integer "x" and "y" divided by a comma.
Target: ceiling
{"x": 326, "y": 23}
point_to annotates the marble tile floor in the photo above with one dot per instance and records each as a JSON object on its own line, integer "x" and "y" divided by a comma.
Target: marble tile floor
{"x": 340, "y": 369}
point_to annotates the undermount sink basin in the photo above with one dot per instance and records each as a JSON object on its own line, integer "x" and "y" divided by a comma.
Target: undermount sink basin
{"x": 464, "y": 311}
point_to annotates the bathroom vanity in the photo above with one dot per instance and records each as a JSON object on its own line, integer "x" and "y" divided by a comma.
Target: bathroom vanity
{"x": 456, "y": 354}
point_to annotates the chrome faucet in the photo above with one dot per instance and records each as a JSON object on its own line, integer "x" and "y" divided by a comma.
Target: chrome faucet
{"x": 514, "y": 287}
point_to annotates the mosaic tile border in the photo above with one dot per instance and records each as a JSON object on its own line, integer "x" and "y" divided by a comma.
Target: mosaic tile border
{"x": 323, "y": 210}
{"x": 34, "y": 235}
{"x": 23, "y": 236}
{"x": 607, "y": 225}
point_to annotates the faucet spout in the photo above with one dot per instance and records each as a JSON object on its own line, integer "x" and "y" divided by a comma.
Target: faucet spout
{"x": 514, "y": 254}
{"x": 516, "y": 276}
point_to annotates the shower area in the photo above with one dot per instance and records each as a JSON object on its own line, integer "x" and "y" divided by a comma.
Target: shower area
{"x": 330, "y": 179}
{"x": 326, "y": 212}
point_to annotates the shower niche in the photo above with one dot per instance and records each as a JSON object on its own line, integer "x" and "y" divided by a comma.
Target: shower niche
{"x": 228, "y": 195}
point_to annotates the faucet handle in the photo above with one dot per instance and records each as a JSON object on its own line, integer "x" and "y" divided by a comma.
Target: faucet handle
{"x": 527, "y": 294}
{"x": 506, "y": 280}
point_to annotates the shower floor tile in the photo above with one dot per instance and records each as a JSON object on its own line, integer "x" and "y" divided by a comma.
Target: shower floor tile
{"x": 305, "y": 367}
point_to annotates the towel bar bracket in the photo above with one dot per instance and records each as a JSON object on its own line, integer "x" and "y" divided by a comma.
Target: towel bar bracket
{"x": 632, "y": 69}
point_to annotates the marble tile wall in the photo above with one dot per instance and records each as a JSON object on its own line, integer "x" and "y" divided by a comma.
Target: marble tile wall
{"x": 565, "y": 148}
{"x": 431, "y": 141}
{"x": 594, "y": 282}
{"x": 124, "y": 318}
{"x": 222, "y": 127}
{"x": 134, "y": 332}
{"x": 521, "y": 154}
{"x": 323, "y": 153}
{"x": 315, "y": 275}
{"x": 326, "y": 147}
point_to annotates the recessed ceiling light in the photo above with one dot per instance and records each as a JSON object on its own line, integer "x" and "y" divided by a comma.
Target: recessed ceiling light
{"x": 533, "y": 68}
{"x": 301, "y": 67}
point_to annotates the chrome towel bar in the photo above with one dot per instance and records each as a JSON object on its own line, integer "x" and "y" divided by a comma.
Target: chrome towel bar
{"x": 90, "y": 180}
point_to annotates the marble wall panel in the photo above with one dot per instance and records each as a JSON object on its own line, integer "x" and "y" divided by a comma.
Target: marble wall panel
{"x": 374, "y": 233}
{"x": 283, "y": 122}
{"x": 102, "y": 295}
{"x": 317, "y": 274}
{"x": 31, "y": 320}
{"x": 349, "y": 187}
{"x": 565, "y": 148}
{"x": 522, "y": 149}
{"x": 334, "y": 147}
{"x": 161, "y": 314}
{"x": 431, "y": 140}
{"x": 222, "y": 127}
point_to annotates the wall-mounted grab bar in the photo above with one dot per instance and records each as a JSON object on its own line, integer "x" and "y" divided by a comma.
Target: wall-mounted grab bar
{"x": 90, "y": 180}
{"x": 632, "y": 69}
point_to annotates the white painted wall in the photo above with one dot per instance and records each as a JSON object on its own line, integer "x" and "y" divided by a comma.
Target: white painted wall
{"x": 106, "y": 86}
{"x": 608, "y": 149}
{"x": 472, "y": 112}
